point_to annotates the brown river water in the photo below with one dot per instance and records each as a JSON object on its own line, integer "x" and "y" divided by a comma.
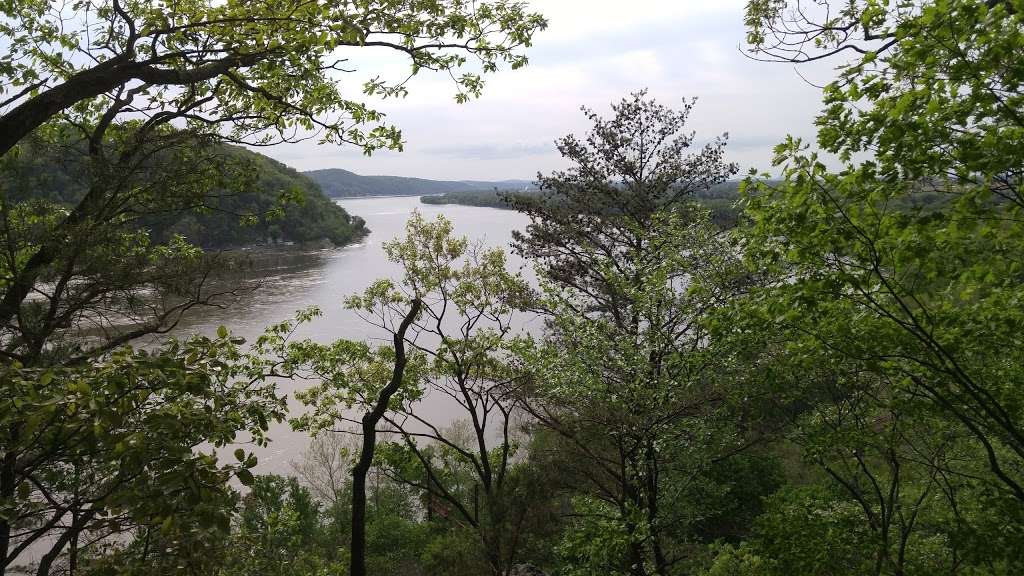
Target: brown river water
{"x": 324, "y": 278}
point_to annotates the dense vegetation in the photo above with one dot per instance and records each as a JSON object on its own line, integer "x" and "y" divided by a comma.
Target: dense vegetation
{"x": 100, "y": 442}
{"x": 276, "y": 204}
{"x": 833, "y": 385}
{"x": 285, "y": 207}
{"x": 484, "y": 198}
{"x": 338, "y": 183}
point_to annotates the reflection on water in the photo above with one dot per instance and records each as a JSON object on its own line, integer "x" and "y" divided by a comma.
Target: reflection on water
{"x": 291, "y": 281}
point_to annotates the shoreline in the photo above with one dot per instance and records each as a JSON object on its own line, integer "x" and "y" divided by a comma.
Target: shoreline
{"x": 372, "y": 196}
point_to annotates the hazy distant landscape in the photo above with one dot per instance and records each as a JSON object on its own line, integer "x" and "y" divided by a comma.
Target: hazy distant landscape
{"x": 720, "y": 200}
{"x": 338, "y": 183}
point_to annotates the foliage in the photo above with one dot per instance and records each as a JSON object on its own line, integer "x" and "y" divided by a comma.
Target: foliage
{"x": 278, "y": 527}
{"x": 117, "y": 444}
{"x": 888, "y": 320}
{"x": 134, "y": 101}
{"x": 624, "y": 375}
{"x": 452, "y": 308}
{"x": 237, "y": 63}
{"x": 932, "y": 296}
{"x": 281, "y": 206}
{"x": 833, "y": 388}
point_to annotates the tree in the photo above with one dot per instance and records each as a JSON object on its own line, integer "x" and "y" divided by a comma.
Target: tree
{"x": 100, "y": 282}
{"x": 278, "y": 527}
{"x": 369, "y": 423}
{"x": 142, "y": 96}
{"x": 625, "y": 372}
{"x": 325, "y": 468}
{"x": 452, "y": 309}
{"x": 909, "y": 258}
{"x": 797, "y": 31}
{"x": 898, "y": 486}
{"x": 298, "y": 526}
{"x": 897, "y": 275}
{"x": 238, "y": 62}
{"x": 87, "y": 265}
{"x": 111, "y": 447}
{"x": 157, "y": 90}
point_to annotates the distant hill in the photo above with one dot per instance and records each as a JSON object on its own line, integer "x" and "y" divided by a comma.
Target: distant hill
{"x": 338, "y": 183}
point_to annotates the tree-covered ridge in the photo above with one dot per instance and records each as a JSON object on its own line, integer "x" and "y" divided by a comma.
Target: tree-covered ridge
{"x": 338, "y": 183}
{"x": 285, "y": 206}
{"x": 269, "y": 203}
{"x": 720, "y": 200}
{"x": 493, "y": 198}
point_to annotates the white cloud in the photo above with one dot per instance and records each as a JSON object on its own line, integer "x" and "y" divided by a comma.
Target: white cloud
{"x": 638, "y": 67}
{"x": 594, "y": 52}
{"x": 576, "y": 20}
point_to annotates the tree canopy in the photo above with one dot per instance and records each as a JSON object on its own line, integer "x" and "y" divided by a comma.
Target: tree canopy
{"x": 268, "y": 70}
{"x": 137, "y": 100}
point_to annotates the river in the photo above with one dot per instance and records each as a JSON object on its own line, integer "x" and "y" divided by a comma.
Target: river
{"x": 325, "y": 278}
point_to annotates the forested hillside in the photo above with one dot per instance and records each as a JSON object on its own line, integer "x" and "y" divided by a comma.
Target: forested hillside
{"x": 338, "y": 183}
{"x": 268, "y": 203}
{"x": 285, "y": 206}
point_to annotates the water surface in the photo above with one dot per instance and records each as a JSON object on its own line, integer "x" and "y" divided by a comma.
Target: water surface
{"x": 325, "y": 278}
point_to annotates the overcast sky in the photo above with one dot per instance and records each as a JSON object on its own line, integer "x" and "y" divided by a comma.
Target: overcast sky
{"x": 594, "y": 52}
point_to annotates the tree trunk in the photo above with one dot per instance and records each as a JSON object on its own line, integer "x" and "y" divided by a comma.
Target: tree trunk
{"x": 23, "y": 119}
{"x": 102, "y": 78}
{"x": 8, "y": 488}
{"x": 357, "y": 566}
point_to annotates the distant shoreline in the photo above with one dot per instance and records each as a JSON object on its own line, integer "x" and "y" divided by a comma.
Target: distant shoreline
{"x": 371, "y": 196}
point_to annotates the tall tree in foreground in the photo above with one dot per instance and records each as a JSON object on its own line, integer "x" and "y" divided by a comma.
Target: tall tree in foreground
{"x": 625, "y": 374}
{"x": 912, "y": 259}
{"x": 450, "y": 322}
{"x": 896, "y": 287}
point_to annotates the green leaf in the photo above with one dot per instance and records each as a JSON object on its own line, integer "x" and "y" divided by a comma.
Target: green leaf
{"x": 245, "y": 477}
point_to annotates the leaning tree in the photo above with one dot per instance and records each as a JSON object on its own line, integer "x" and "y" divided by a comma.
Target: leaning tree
{"x": 450, "y": 322}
